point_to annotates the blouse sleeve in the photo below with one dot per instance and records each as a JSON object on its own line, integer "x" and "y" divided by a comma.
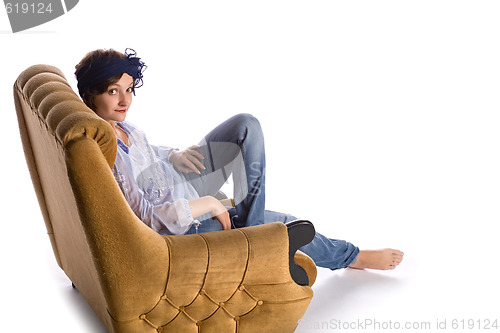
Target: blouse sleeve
{"x": 167, "y": 218}
{"x": 163, "y": 152}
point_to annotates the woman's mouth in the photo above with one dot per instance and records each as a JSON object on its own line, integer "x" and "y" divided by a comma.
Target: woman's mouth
{"x": 122, "y": 111}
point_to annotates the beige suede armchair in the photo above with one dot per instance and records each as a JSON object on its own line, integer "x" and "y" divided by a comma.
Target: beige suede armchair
{"x": 133, "y": 278}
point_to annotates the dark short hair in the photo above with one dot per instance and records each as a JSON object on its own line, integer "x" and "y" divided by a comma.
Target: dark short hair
{"x": 89, "y": 93}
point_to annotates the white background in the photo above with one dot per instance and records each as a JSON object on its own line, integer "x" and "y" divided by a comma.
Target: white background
{"x": 381, "y": 121}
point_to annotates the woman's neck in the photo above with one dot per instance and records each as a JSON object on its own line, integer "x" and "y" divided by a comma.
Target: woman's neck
{"x": 120, "y": 133}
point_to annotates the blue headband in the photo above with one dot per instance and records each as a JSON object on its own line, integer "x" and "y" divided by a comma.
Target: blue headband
{"x": 99, "y": 71}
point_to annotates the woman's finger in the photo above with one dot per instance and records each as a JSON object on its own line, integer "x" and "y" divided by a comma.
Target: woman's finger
{"x": 193, "y": 150}
{"x": 190, "y": 166}
{"x": 196, "y": 161}
{"x": 224, "y": 220}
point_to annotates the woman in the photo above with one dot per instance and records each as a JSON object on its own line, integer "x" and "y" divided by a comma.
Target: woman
{"x": 173, "y": 191}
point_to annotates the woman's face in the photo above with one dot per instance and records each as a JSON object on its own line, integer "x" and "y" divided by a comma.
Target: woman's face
{"x": 113, "y": 104}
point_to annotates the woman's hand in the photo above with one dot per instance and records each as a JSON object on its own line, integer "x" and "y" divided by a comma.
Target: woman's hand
{"x": 220, "y": 213}
{"x": 209, "y": 204}
{"x": 188, "y": 160}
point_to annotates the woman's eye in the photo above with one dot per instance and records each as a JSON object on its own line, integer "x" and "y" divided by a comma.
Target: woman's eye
{"x": 130, "y": 89}
{"x": 112, "y": 91}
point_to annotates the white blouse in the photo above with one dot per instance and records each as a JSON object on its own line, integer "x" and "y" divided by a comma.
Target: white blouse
{"x": 155, "y": 191}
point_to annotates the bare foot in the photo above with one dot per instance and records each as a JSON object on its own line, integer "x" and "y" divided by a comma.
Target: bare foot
{"x": 382, "y": 259}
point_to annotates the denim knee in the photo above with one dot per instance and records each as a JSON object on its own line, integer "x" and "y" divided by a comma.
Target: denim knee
{"x": 248, "y": 125}
{"x": 247, "y": 119}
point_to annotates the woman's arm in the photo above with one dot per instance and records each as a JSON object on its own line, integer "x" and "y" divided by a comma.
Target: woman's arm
{"x": 177, "y": 216}
{"x": 209, "y": 204}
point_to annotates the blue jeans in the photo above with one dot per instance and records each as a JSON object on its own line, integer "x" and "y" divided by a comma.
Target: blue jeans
{"x": 237, "y": 147}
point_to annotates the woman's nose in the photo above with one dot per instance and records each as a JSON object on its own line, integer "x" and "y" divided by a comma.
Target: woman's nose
{"x": 125, "y": 99}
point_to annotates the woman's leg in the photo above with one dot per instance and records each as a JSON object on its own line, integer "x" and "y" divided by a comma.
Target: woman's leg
{"x": 205, "y": 226}
{"x": 325, "y": 252}
{"x": 210, "y": 224}
{"x": 235, "y": 147}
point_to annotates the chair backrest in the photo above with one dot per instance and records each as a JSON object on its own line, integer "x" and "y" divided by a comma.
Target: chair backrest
{"x": 101, "y": 245}
{"x": 47, "y": 110}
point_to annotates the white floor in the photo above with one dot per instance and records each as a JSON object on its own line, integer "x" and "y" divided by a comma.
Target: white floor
{"x": 448, "y": 285}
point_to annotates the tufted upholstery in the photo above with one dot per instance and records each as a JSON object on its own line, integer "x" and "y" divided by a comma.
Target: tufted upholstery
{"x": 133, "y": 278}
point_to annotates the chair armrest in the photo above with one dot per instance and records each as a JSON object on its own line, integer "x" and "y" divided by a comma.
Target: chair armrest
{"x": 221, "y": 281}
{"x": 300, "y": 233}
{"x": 228, "y": 202}
{"x": 304, "y": 261}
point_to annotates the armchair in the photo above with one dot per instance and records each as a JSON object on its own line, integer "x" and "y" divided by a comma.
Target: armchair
{"x": 133, "y": 278}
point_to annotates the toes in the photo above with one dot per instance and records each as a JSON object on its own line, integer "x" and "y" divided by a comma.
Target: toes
{"x": 397, "y": 252}
{"x": 391, "y": 267}
{"x": 397, "y": 256}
